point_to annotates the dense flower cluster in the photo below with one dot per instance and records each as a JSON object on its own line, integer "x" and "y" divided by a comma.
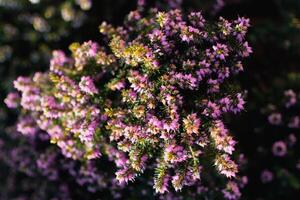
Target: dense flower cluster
{"x": 173, "y": 80}
{"x": 153, "y": 98}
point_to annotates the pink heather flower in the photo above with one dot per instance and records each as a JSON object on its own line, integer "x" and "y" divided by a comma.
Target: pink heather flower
{"x": 197, "y": 19}
{"x": 241, "y": 26}
{"x": 117, "y": 85}
{"x": 44, "y": 123}
{"x": 58, "y": 58}
{"x": 51, "y": 108}
{"x": 177, "y": 182}
{"x": 192, "y": 124}
{"x": 247, "y": 50}
{"x": 125, "y": 175}
{"x": 187, "y": 34}
{"x": 279, "y": 149}
{"x": 239, "y": 104}
{"x": 58, "y": 61}
{"x": 87, "y": 131}
{"x": 232, "y": 191}
{"x": 170, "y": 126}
{"x": 84, "y": 53}
{"x": 202, "y": 73}
{"x": 69, "y": 150}
{"x": 223, "y": 74}
{"x": 220, "y": 51}
{"x": 213, "y": 86}
{"x": 275, "y": 119}
{"x": 266, "y": 176}
{"x": 225, "y": 26}
{"x": 56, "y": 133}
{"x": 292, "y": 139}
{"x": 186, "y": 80}
{"x": 226, "y": 166}
{"x": 174, "y": 154}
{"x": 222, "y": 140}
{"x": 31, "y": 101}
{"x": 139, "y": 82}
{"x": 133, "y": 133}
{"x": 12, "y": 100}
{"x": 91, "y": 48}
{"x": 140, "y": 162}
{"x": 294, "y": 122}
{"x": 94, "y": 154}
{"x": 163, "y": 186}
{"x": 27, "y": 126}
{"x": 87, "y": 85}
{"x": 154, "y": 125}
{"x": 156, "y": 35}
{"x": 193, "y": 174}
{"x": 212, "y": 110}
{"x": 238, "y": 67}
{"x": 242, "y": 23}
{"x": 22, "y": 84}
{"x": 291, "y": 98}
{"x": 120, "y": 159}
{"x": 225, "y": 104}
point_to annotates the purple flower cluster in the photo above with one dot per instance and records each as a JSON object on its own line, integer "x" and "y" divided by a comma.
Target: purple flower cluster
{"x": 153, "y": 99}
{"x": 173, "y": 68}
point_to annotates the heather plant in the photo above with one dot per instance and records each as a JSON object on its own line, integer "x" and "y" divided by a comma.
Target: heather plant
{"x": 153, "y": 98}
{"x": 176, "y": 91}
{"x": 275, "y": 38}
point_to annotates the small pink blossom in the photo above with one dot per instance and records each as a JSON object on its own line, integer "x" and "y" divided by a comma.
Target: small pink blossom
{"x": 279, "y": 149}
{"x": 87, "y": 85}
